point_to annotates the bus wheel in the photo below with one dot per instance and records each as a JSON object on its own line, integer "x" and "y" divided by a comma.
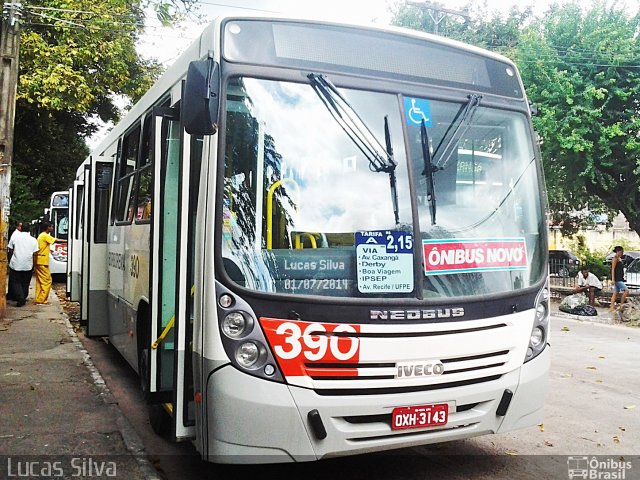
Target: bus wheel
{"x": 159, "y": 420}
{"x": 143, "y": 372}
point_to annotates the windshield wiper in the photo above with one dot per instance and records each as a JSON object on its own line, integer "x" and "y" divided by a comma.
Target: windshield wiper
{"x": 465, "y": 113}
{"x": 429, "y": 170}
{"x": 380, "y": 159}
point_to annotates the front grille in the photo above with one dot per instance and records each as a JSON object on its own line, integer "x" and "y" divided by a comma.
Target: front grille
{"x": 407, "y": 389}
{"x": 387, "y": 371}
{"x": 396, "y": 359}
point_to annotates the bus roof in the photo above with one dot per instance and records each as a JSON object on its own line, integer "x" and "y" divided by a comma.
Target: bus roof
{"x": 200, "y": 47}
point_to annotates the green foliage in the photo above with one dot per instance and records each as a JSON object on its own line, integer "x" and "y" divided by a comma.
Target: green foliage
{"x": 579, "y": 67}
{"x": 80, "y": 56}
{"x": 595, "y": 263}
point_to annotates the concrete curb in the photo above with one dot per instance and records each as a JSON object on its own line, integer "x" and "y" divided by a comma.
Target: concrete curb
{"x": 130, "y": 437}
{"x": 600, "y": 319}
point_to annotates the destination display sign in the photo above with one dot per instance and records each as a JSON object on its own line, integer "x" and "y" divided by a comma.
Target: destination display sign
{"x": 473, "y": 255}
{"x": 384, "y": 260}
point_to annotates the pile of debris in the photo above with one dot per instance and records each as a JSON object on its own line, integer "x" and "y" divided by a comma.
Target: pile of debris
{"x": 629, "y": 312}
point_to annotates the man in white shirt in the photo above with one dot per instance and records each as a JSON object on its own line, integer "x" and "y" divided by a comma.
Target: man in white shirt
{"x": 22, "y": 247}
{"x": 590, "y": 284}
{"x": 13, "y": 235}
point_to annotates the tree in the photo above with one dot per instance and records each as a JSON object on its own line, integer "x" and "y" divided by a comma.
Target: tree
{"x": 581, "y": 67}
{"x": 76, "y": 58}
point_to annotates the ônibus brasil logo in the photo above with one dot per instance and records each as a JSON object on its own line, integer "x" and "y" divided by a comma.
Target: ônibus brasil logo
{"x": 597, "y": 468}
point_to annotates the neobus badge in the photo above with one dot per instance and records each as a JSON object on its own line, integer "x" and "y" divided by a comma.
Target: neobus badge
{"x": 422, "y": 314}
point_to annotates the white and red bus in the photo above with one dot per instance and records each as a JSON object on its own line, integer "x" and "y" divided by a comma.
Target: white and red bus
{"x": 315, "y": 239}
{"x": 58, "y": 214}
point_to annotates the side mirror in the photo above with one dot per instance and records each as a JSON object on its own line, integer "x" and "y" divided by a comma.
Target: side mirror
{"x": 201, "y": 98}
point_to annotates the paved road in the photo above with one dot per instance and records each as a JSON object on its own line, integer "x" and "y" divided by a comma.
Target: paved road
{"x": 593, "y": 408}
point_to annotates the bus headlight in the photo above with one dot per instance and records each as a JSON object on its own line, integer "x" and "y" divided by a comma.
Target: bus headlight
{"x": 234, "y": 325}
{"x": 244, "y": 342}
{"x": 539, "y": 333}
{"x": 537, "y": 336}
{"x": 247, "y": 354}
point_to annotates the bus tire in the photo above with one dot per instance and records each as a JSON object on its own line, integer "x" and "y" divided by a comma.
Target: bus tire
{"x": 159, "y": 420}
{"x": 143, "y": 333}
{"x": 143, "y": 372}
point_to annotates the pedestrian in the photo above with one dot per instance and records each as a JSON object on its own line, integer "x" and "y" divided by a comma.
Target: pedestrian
{"x": 16, "y": 231}
{"x": 43, "y": 275}
{"x": 23, "y": 248}
{"x": 590, "y": 284}
{"x": 9, "y": 253}
{"x": 617, "y": 277}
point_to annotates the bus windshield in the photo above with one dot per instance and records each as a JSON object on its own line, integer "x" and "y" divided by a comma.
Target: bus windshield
{"x": 304, "y": 212}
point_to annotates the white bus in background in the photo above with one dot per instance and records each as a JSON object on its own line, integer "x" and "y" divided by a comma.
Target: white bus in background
{"x": 314, "y": 239}
{"x": 58, "y": 214}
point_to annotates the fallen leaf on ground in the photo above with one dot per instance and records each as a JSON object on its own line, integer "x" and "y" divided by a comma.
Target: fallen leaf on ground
{"x": 565, "y": 329}
{"x": 548, "y": 444}
{"x": 623, "y": 429}
{"x": 598, "y": 381}
{"x": 512, "y": 453}
{"x": 601, "y": 356}
{"x": 567, "y": 375}
{"x": 541, "y": 427}
{"x": 629, "y": 407}
{"x": 616, "y": 439}
{"x": 591, "y": 368}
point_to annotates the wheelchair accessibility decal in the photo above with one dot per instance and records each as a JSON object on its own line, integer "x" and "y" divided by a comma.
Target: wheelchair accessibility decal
{"x": 417, "y": 110}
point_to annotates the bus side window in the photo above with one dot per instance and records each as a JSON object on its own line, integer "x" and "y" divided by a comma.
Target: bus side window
{"x": 145, "y": 175}
{"x": 126, "y": 176}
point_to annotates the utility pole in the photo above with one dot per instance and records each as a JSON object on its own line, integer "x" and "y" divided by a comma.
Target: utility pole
{"x": 9, "y": 48}
{"x": 438, "y": 13}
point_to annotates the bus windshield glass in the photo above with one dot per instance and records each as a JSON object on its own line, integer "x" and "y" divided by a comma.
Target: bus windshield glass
{"x": 305, "y": 213}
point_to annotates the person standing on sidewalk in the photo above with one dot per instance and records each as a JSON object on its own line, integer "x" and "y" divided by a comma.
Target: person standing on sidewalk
{"x": 9, "y": 253}
{"x": 617, "y": 276}
{"x": 22, "y": 248}
{"x": 43, "y": 275}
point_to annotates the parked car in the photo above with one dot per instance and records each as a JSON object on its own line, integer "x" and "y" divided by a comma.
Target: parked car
{"x": 563, "y": 263}
{"x": 632, "y": 275}
{"x": 627, "y": 257}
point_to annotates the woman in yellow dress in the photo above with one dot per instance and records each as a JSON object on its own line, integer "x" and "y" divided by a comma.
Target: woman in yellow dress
{"x": 43, "y": 275}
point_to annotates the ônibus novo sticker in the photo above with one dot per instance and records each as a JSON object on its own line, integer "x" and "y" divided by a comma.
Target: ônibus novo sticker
{"x": 473, "y": 255}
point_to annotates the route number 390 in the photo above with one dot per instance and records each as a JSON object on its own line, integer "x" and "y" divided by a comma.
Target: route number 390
{"x": 316, "y": 342}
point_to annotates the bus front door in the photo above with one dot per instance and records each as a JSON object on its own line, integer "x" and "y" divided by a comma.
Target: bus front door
{"x": 94, "y": 295}
{"x": 74, "y": 259}
{"x": 170, "y": 375}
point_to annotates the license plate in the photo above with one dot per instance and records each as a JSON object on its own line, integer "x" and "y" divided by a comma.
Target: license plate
{"x": 420, "y": 416}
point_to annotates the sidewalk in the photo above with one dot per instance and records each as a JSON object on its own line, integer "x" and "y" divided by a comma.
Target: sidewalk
{"x": 58, "y": 417}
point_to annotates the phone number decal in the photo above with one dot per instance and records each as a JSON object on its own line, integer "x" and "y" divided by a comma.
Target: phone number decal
{"x": 298, "y": 345}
